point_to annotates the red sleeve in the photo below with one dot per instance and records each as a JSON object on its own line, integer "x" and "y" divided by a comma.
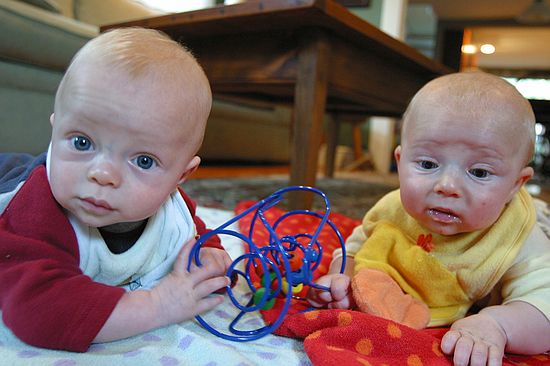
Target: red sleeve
{"x": 214, "y": 241}
{"x": 45, "y": 298}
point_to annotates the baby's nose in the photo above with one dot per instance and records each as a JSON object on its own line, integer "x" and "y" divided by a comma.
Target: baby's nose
{"x": 448, "y": 184}
{"x": 104, "y": 172}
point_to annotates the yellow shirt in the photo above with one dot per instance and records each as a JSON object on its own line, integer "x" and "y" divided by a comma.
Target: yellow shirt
{"x": 458, "y": 270}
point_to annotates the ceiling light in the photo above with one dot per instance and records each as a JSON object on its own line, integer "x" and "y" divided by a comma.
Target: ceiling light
{"x": 468, "y": 48}
{"x": 536, "y": 13}
{"x": 487, "y": 49}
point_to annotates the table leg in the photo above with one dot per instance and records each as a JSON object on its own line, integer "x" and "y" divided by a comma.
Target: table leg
{"x": 309, "y": 108}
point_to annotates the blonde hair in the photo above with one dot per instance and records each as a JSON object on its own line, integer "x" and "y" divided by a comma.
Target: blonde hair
{"x": 474, "y": 93}
{"x": 143, "y": 52}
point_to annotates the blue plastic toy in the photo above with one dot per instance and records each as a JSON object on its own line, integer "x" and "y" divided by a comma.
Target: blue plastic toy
{"x": 286, "y": 264}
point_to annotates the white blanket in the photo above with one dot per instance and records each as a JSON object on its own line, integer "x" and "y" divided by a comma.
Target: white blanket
{"x": 187, "y": 343}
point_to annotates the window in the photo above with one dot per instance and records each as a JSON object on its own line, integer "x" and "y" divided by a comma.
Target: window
{"x": 176, "y": 6}
{"x": 532, "y": 88}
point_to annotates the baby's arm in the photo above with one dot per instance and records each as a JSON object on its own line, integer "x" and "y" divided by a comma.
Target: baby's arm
{"x": 179, "y": 296}
{"x": 481, "y": 339}
{"x": 517, "y": 326}
{"x": 526, "y": 328}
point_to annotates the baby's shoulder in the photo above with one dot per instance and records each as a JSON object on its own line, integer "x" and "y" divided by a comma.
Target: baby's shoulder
{"x": 537, "y": 242}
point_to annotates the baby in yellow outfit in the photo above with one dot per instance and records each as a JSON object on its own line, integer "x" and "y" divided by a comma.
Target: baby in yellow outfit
{"x": 460, "y": 231}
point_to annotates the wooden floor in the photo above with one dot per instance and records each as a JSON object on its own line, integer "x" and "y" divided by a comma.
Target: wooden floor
{"x": 239, "y": 171}
{"x": 234, "y": 171}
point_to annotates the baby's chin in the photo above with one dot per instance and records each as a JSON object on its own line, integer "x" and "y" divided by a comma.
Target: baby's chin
{"x": 112, "y": 224}
{"x": 94, "y": 221}
{"x": 443, "y": 229}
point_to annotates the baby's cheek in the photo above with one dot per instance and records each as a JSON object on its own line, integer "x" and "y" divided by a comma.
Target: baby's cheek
{"x": 412, "y": 200}
{"x": 59, "y": 186}
{"x": 484, "y": 213}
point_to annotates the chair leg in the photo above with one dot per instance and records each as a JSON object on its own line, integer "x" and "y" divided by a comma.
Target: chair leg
{"x": 357, "y": 141}
{"x": 332, "y": 140}
{"x": 360, "y": 158}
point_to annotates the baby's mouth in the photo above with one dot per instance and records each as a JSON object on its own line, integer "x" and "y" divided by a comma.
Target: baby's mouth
{"x": 95, "y": 205}
{"x": 444, "y": 216}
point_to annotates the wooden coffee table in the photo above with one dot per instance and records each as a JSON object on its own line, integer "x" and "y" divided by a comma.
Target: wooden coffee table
{"x": 312, "y": 54}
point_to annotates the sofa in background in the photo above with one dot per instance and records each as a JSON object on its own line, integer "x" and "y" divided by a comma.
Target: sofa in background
{"x": 38, "y": 38}
{"x": 36, "y": 45}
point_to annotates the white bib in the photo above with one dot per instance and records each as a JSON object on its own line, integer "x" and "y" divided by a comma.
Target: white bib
{"x": 149, "y": 259}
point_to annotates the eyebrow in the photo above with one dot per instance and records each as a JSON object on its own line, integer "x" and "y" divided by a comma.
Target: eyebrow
{"x": 428, "y": 145}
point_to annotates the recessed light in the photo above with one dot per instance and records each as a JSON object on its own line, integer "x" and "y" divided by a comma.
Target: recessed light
{"x": 487, "y": 49}
{"x": 469, "y": 48}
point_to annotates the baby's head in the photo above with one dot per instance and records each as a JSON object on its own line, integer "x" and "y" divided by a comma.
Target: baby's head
{"x": 466, "y": 141}
{"x": 129, "y": 117}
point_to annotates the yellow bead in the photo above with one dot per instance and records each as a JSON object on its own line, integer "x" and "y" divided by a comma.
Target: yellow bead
{"x": 295, "y": 289}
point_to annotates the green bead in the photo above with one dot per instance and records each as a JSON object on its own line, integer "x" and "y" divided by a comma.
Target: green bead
{"x": 272, "y": 276}
{"x": 257, "y": 298}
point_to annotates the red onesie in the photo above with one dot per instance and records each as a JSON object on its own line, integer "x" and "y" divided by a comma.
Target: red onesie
{"x": 45, "y": 298}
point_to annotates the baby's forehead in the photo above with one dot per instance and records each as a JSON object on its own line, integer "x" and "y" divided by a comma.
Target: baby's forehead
{"x": 472, "y": 94}
{"x": 487, "y": 111}
{"x": 159, "y": 81}
{"x": 476, "y": 115}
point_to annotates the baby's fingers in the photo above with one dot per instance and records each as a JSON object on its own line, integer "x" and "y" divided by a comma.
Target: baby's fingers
{"x": 495, "y": 356}
{"x": 317, "y": 297}
{"x": 340, "y": 287}
{"x": 480, "y": 352}
{"x": 208, "y": 303}
{"x": 209, "y": 286}
{"x": 182, "y": 260}
{"x": 215, "y": 257}
{"x": 448, "y": 342}
{"x": 484, "y": 353}
{"x": 322, "y": 297}
{"x": 345, "y": 303}
{"x": 205, "y": 271}
{"x": 463, "y": 351}
{"x": 314, "y": 300}
{"x": 339, "y": 295}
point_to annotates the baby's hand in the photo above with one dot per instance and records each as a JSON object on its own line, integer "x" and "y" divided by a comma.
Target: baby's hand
{"x": 215, "y": 257}
{"x": 475, "y": 340}
{"x": 339, "y": 296}
{"x": 181, "y": 294}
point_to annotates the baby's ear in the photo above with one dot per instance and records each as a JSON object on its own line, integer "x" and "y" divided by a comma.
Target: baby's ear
{"x": 51, "y": 119}
{"x": 397, "y": 153}
{"x": 191, "y": 167}
{"x": 524, "y": 175}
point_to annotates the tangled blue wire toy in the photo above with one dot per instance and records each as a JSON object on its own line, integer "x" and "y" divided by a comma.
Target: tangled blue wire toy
{"x": 285, "y": 264}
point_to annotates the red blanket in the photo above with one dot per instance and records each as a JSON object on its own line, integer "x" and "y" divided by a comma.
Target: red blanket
{"x": 345, "y": 337}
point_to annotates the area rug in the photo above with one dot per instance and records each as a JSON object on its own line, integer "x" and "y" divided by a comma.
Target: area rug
{"x": 348, "y": 197}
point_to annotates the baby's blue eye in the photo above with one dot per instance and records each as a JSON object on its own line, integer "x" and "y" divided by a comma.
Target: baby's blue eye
{"x": 82, "y": 143}
{"x": 145, "y": 162}
{"x": 425, "y": 164}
